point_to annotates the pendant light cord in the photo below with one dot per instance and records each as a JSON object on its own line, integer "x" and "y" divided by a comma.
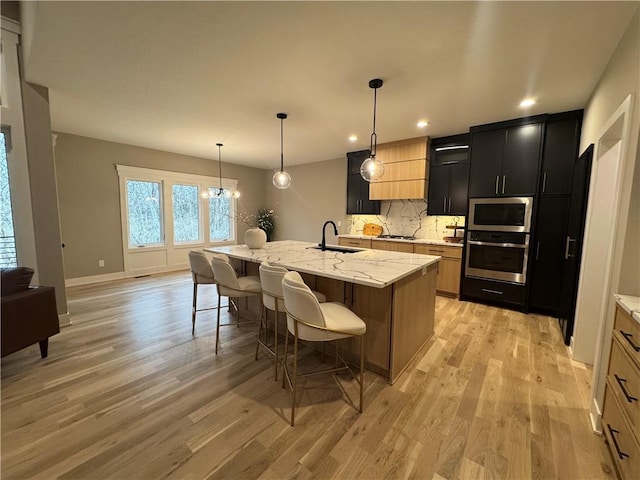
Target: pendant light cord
{"x": 220, "y": 167}
{"x": 281, "y": 145}
{"x": 374, "y": 137}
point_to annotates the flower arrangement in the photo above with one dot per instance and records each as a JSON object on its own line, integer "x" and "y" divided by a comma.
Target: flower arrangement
{"x": 264, "y": 220}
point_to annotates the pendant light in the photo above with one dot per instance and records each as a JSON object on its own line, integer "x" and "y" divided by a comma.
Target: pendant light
{"x": 372, "y": 168}
{"x": 222, "y": 192}
{"x": 281, "y": 179}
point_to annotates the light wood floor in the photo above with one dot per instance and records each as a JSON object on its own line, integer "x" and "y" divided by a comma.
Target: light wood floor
{"x": 127, "y": 392}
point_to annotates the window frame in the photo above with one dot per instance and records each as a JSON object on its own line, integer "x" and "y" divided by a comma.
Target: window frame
{"x": 139, "y": 260}
{"x": 163, "y": 236}
{"x": 200, "y": 238}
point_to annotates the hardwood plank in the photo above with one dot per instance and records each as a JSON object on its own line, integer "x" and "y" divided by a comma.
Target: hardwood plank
{"x": 128, "y": 392}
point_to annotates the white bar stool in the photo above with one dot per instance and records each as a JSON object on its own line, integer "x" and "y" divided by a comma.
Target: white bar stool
{"x": 272, "y": 299}
{"x": 308, "y": 319}
{"x": 202, "y": 274}
{"x": 232, "y": 286}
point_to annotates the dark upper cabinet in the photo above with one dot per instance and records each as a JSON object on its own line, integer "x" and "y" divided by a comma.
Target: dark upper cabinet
{"x": 505, "y": 161}
{"x": 487, "y": 150}
{"x": 521, "y": 160}
{"x": 458, "y": 188}
{"x": 547, "y": 265}
{"x": 448, "y": 175}
{"x": 560, "y": 151}
{"x": 358, "y": 188}
{"x": 437, "y": 203}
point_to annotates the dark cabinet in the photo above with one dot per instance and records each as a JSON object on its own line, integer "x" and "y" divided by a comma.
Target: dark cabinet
{"x": 358, "y": 188}
{"x": 547, "y": 265}
{"x": 562, "y": 138}
{"x": 448, "y": 175}
{"x": 505, "y": 161}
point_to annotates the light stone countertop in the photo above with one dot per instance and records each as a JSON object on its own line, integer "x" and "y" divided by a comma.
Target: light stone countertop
{"x": 426, "y": 241}
{"x": 629, "y": 304}
{"x": 374, "y": 268}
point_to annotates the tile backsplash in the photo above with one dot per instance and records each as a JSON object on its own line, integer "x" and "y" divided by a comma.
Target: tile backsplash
{"x": 407, "y": 217}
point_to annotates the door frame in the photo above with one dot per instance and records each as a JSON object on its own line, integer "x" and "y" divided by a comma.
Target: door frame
{"x": 617, "y": 130}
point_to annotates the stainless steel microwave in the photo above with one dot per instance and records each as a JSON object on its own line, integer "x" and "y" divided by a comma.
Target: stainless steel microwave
{"x": 504, "y": 214}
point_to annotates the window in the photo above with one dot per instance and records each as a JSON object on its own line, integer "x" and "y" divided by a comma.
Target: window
{"x": 186, "y": 216}
{"x": 165, "y": 214}
{"x": 220, "y": 219}
{"x": 144, "y": 213}
{"x": 8, "y": 257}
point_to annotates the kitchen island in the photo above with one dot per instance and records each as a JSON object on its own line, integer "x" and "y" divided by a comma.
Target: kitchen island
{"x": 394, "y": 293}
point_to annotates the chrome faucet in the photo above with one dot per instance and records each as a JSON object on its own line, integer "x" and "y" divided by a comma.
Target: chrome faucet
{"x": 323, "y": 245}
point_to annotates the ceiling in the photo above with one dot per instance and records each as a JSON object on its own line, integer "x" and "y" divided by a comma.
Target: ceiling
{"x": 182, "y": 76}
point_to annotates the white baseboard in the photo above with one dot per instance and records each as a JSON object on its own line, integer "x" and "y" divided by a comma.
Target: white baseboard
{"x": 107, "y": 277}
{"x": 64, "y": 319}
{"x": 595, "y": 415}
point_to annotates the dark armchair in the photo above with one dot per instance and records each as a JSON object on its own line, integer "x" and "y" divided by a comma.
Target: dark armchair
{"x": 29, "y": 314}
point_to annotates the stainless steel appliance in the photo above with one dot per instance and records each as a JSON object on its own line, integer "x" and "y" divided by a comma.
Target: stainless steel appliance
{"x": 505, "y": 214}
{"x": 497, "y": 256}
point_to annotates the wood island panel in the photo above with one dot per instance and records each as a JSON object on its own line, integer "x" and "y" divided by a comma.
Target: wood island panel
{"x": 413, "y": 317}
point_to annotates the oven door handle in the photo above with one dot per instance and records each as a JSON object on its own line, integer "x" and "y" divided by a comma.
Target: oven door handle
{"x": 492, "y": 244}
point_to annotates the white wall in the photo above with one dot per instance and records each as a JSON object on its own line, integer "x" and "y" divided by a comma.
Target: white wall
{"x": 592, "y": 330}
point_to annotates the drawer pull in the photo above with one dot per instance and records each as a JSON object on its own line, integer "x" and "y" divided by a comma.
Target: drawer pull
{"x": 620, "y": 453}
{"x": 496, "y": 292}
{"x": 628, "y": 337}
{"x": 621, "y": 382}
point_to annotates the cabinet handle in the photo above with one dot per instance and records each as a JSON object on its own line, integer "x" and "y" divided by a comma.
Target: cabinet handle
{"x": 620, "y": 453}
{"x": 621, "y": 383}
{"x": 492, "y": 291}
{"x": 537, "y": 250}
{"x": 444, "y": 204}
{"x": 504, "y": 180}
{"x": 628, "y": 337}
{"x": 449, "y": 204}
{"x": 566, "y": 247}
{"x": 497, "y": 181}
{"x": 544, "y": 182}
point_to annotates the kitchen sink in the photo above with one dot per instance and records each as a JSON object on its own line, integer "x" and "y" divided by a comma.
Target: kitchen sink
{"x": 335, "y": 248}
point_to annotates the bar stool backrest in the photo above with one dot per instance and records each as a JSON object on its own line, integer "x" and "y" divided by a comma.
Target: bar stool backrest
{"x": 224, "y": 273}
{"x": 300, "y": 301}
{"x": 271, "y": 280}
{"x": 201, "y": 269}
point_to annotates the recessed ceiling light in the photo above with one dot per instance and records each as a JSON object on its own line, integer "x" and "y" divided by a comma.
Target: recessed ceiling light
{"x": 353, "y": 138}
{"x": 527, "y": 102}
{"x": 422, "y": 123}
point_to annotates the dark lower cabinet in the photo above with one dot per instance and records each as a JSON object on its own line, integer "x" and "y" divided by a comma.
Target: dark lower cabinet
{"x": 502, "y": 293}
{"x": 358, "y": 188}
{"x": 547, "y": 264}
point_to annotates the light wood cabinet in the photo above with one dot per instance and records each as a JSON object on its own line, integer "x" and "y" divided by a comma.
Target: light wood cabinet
{"x": 449, "y": 267}
{"x": 406, "y": 247}
{"x": 354, "y": 242}
{"x": 406, "y": 170}
{"x": 621, "y": 416}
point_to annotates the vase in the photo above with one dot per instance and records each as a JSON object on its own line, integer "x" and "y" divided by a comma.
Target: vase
{"x": 255, "y": 238}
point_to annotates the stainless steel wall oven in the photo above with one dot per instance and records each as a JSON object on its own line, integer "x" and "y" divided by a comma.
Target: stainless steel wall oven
{"x": 498, "y": 239}
{"x": 497, "y": 256}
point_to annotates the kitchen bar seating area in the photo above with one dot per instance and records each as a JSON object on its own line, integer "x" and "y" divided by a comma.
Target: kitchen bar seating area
{"x": 304, "y": 252}
{"x": 131, "y": 393}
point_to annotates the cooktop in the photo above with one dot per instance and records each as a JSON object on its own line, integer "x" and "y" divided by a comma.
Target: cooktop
{"x": 401, "y": 237}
